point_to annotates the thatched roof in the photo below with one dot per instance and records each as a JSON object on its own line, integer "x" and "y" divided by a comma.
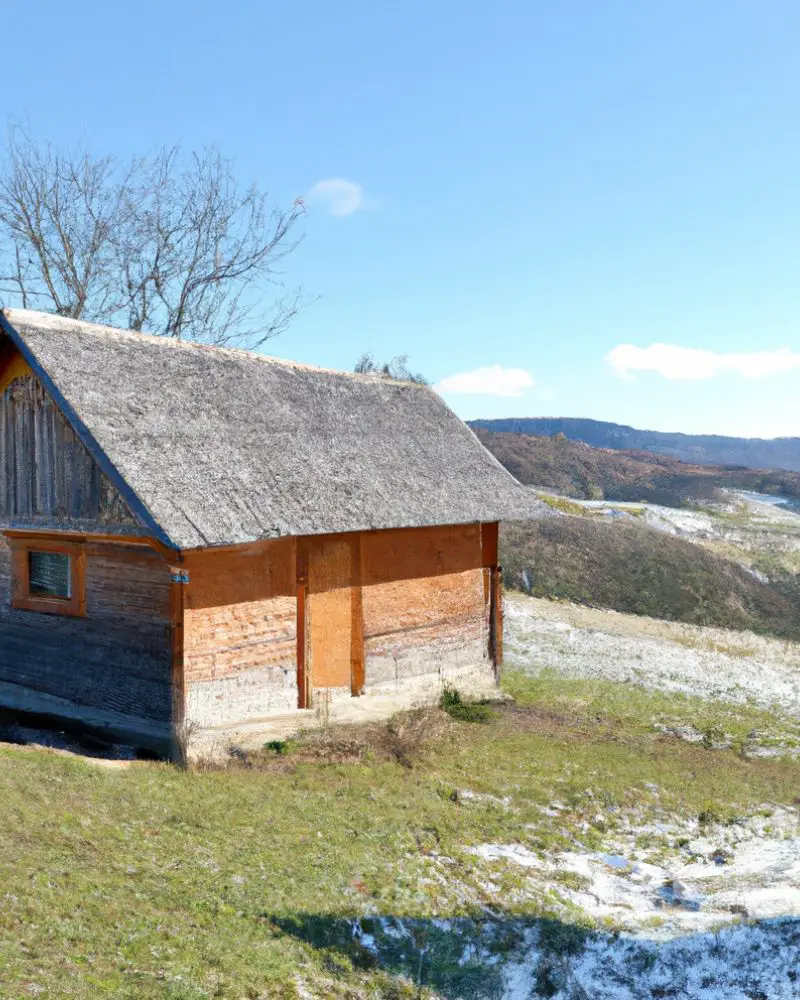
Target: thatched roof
{"x": 213, "y": 446}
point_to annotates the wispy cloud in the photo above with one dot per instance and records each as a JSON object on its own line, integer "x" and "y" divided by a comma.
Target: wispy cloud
{"x": 492, "y": 381}
{"x": 339, "y": 196}
{"x": 673, "y": 362}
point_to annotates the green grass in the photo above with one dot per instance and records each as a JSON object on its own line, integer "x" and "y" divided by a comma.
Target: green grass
{"x": 464, "y": 710}
{"x": 565, "y": 506}
{"x": 153, "y": 882}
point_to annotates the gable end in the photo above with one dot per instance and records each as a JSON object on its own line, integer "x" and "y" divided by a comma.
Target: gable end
{"x": 16, "y": 346}
{"x": 48, "y": 480}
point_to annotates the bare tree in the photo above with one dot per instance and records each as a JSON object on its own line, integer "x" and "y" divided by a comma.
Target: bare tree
{"x": 165, "y": 243}
{"x": 397, "y": 368}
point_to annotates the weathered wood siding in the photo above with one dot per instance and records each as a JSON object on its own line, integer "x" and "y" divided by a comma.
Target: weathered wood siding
{"x": 381, "y": 610}
{"x": 47, "y": 477}
{"x": 425, "y": 606}
{"x": 116, "y": 659}
{"x": 240, "y": 633}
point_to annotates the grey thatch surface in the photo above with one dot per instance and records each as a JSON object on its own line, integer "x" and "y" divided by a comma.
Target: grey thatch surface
{"x": 222, "y": 446}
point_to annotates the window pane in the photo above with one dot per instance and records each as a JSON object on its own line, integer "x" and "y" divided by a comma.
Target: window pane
{"x": 49, "y": 574}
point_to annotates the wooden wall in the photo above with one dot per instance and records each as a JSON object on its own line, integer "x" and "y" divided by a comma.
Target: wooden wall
{"x": 47, "y": 478}
{"x": 425, "y": 603}
{"x": 376, "y": 609}
{"x": 117, "y": 658}
{"x": 240, "y": 632}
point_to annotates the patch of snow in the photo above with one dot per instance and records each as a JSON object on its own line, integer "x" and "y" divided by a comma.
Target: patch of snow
{"x": 516, "y": 853}
{"x": 516, "y": 960}
{"x": 674, "y": 658}
{"x": 468, "y": 795}
{"x": 749, "y": 869}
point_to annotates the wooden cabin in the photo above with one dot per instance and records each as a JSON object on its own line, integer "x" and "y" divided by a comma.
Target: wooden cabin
{"x": 195, "y": 537}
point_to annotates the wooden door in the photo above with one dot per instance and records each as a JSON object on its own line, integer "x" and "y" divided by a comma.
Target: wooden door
{"x": 333, "y": 610}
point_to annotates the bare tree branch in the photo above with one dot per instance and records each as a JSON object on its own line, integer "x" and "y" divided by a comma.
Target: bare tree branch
{"x": 396, "y": 369}
{"x": 166, "y": 243}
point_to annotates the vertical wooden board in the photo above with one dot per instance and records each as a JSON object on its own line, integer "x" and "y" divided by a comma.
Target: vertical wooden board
{"x": 497, "y": 624}
{"x": 357, "y": 669}
{"x": 330, "y": 612}
{"x": 177, "y": 635}
{"x": 46, "y": 474}
{"x": 489, "y": 540}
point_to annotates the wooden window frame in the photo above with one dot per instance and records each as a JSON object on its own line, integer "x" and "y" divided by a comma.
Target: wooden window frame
{"x": 21, "y": 596}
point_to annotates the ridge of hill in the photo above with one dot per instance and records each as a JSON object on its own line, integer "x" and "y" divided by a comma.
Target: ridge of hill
{"x": 576, "y": 469}
{"x": 633, "y": 568}
{"x": 702, "y": 449}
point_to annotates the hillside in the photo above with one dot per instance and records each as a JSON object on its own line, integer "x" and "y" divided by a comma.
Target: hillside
{"x": 631, "y": 567}
{"x": 704, "y": 449}
{"x": 424, "y": 859}
{"x": 576, "y": 469}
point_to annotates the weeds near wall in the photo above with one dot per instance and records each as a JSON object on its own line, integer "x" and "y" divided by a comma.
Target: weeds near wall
{"x": 464, "y": 710}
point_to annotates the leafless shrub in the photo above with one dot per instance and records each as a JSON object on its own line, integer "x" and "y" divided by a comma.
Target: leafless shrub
{"x": 397, "y": 369}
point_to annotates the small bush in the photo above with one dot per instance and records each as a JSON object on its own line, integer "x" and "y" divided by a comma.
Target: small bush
{"x": 280, "y": 747}
{"x": 573, "y": 880}
{"x": 709, "y": 816}
{"x": 465, "y": 711}
{"x": 713, "y": 737}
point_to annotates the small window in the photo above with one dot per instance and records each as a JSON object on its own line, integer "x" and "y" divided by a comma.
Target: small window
{"x": 48, "y": 576}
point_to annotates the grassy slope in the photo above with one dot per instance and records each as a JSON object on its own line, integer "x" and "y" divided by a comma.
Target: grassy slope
{"x": 153, "y": 882}
{"x": 630, "y": 567}
{"x": 575, "y": 469}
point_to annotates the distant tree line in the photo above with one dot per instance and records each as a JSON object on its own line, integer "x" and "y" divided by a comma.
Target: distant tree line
{"x": 397, "y": 369}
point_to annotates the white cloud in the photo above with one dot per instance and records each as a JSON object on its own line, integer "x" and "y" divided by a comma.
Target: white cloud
{"x": 492, "y": 381}
{"x": 341, "y": 197}
{"x": 673, "y": 362}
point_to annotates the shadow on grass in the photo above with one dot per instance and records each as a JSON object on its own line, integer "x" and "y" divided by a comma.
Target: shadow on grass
{"x": 519, "y": 958}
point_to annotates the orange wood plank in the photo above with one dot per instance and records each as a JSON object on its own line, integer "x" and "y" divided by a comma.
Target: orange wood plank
{"x": 303, "y": 673}
{"x": 357, "y": 669}
{"x": 12, "y": 367}
{"x": 329, "y": 608}
{"x": 489, "y": 543}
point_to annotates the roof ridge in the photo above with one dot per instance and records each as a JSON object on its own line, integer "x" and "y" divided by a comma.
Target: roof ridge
{"x": 55, "y": 322}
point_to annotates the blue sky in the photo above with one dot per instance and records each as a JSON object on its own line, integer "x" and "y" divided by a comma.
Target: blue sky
{"x": 536, "y": 195}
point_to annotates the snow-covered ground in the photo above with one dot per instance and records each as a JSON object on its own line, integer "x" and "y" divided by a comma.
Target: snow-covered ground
{"x": 678, "y": 909}
{"x": 463, "y": 958}
{"x": 717, "y": 875}
{"x": 694, "y": 912}
{"x": 749, "y": 524}
{"x": 713, "y": 663}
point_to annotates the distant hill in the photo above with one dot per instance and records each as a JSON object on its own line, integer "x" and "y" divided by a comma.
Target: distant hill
{"x": 575, "y": 469}
{"x": 633, "y": 568}
{"x": 702, "y": 449}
